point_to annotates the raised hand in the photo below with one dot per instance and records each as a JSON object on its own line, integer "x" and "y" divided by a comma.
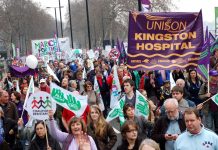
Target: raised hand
{"x": 50, "y": 113}
{"x": 84, "y": 143}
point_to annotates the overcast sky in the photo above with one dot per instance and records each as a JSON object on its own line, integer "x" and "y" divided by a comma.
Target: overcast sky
{"x": 207, "y": 7}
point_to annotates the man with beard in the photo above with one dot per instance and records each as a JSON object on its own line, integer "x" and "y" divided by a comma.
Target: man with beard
{"x": 168, "y": 127}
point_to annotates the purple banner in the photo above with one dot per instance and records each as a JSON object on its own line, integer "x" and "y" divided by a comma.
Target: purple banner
{"x": 164, "y": 41}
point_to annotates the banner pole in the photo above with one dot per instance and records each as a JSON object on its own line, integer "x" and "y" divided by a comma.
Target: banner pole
{"x": 208, "y": 79}
{"x": 46, "y": 134}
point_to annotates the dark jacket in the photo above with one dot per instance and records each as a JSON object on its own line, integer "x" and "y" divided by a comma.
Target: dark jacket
{"x": 103, "y": 143}
{"x": 160, "y": 128}
{"x": 125, "y": 144}
{"x": 144, "y": 127}
{"x": 10, "y": 111}
{"x": 41, "y": 144}
{"x": 9, "y": 124}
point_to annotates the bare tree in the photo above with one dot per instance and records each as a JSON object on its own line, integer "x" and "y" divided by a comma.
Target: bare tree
{"x": 108, "y": 19}
{"x": 22, "y": 21}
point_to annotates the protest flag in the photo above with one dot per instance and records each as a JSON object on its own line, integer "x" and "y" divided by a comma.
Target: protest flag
{"x": 204, "y": 60}
{"x": 141, "y": 105}
{"x": 30, "y": 90}
{"x": 51, "y": 72}
{"x": 119, "y": 49}
{"x": 84, "y": 73}
{"x": 123, "y": 53}
{"x": 212, "y": 38}
{"x": 71, "y": 101}
{"x": 172, "y": 81}
{"x": 10, "y": 85}
{"x": 215, "y": 99}
{"x": 117, "y": 111}
{"x": 146, "y": 5}
{"x": 17, "y": 86}
{"x": 116, "y": 88}
{"x": 97, "y": 90}
{"x": 214, "y": 46}
{"x": 141, "y": 108}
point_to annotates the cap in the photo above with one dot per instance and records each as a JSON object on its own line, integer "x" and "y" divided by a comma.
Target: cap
{"x": 42, "y": 80}
{"x": 213, "y": 73}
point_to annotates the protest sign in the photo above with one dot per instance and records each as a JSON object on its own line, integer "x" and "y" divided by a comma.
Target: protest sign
{"x": 164, "y": 41}
{"x": 51, "y": 47}
{"x": 38, "y": 105}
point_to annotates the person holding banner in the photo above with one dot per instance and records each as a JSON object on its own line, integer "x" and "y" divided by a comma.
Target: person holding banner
{"x": 101, "y": 131}
{"x": 210, "y": 109}
{"x": 193, "y": 84}
{"x": 76, "y": 139}
{"x": 40, "y": 141}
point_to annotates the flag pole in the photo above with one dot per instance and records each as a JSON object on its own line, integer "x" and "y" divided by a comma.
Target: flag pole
{"x": 46, "y": 134}
{"x": 27, "y": 96}
{"x": 208, "y": 78}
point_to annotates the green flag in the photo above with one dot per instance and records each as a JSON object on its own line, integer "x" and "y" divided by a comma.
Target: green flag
{"x": 75, "y": 103}
{"x": 117, "y": 111}
{"x": 215, "y": 98}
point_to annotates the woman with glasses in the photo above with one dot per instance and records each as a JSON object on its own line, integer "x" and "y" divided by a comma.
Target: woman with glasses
{"x": 101, "y": 131}
{"x": 92, "y": 96}
{"x": 130, "y": 140}
{"x": 144, "y": 126}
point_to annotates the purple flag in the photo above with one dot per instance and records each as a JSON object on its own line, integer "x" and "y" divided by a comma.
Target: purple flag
{"x": 123, "y": 53}
{"x": 212, "y": 38}
{"x": 204, "y": 60}
{"x": 206, "y": 34}
{"x": 118, "y": 45}
{"x": 146, "y": 5}
{"x": 164, "y": 41}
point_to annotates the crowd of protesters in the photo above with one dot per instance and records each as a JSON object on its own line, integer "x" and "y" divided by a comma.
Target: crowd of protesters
{"x": 175, "y": 113}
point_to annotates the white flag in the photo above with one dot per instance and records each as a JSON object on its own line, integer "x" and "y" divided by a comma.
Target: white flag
{"x": 215, "y": 99}
{"x": 10, "y": 84}
{"x": 97, "y": 90}
{"x": 172, "y": 82}
{"x": 116, "y": 89}
{"x": 51, "y": 72}
{"x": 84, "y": 73}
{"x": 141, "y": 105}
{"x": 75, "y": 103}
{"x": 17, "y": 86}
{"x": 117, "y": 111}
{"x": 29, "y": 91}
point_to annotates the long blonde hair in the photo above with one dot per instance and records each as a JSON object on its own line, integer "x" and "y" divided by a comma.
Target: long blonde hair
{"x": 101, "y": 123}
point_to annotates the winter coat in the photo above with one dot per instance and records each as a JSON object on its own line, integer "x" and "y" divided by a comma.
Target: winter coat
{"x": 102, "y": 142}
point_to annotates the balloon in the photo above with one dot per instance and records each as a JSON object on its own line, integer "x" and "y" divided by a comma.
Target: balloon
{"x": 31, "y": 61}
